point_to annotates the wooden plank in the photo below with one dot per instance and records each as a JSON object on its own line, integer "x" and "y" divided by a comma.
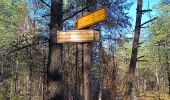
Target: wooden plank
{"x": 77, "y": 36}
{"x": 92, "y": 18}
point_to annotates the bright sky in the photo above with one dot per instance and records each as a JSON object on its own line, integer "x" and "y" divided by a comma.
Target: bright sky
{"x": 145, "y": 17}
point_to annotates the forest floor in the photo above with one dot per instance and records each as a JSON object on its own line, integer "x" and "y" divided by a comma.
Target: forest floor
{"x": 154, "y": 96}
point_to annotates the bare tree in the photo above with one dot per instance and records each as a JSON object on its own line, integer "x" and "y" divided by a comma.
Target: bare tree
{"x": 134, "y": 53}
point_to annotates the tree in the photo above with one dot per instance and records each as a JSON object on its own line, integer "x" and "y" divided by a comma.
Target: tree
{"x": 160, "y": 34}
{"x": 135, "y": 45}
{"x": 13, "y": 13}
{"x": 10, "y": 21}
{"x": 54, "y": 74}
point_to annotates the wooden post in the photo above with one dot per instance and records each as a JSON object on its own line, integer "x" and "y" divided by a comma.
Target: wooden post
{"x": 87, "y": 53}
{"x": 76, "y": 84}
{"x": 87, "y": 62}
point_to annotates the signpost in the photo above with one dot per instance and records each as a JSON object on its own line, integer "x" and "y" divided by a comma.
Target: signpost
{"x": 86, "y": 36}
{"x": 77, "y": 36}
{"x": 92, "y": 18}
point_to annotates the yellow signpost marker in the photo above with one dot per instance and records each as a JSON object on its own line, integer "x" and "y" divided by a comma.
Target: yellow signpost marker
{"x": 77, "y": 36}
{"x": 92, "y": 18}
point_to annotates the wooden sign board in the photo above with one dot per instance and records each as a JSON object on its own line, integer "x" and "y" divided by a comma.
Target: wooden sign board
{"x": 77, "y": 36}
{"x": 92, "y": 18}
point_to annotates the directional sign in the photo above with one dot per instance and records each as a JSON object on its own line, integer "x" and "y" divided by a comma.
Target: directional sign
{"x": 77, "y": 36}
{"x": 92, "y": 18}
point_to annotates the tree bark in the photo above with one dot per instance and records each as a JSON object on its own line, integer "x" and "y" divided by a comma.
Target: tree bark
{"x": 134, "y": 53}
{"x": 30, "y": 63}
{"x": 54, "y": 74}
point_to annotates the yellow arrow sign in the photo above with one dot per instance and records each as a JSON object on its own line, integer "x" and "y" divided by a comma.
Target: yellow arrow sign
{"x": 92, "y": 18}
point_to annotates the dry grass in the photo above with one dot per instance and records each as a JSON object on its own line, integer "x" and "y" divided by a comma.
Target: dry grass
{"x": 153, "y": 96}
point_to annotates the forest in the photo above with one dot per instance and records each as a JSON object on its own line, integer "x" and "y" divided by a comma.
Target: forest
{"x": 84, "y": 49}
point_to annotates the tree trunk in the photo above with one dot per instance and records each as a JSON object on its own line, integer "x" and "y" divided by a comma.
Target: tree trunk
{"x": 76, "y": 81}
{"x": 44, "y": 75}
{"x": 169, "y": 82}
{"x": 16, "y": 75}
{"x": 167, "y": 67}
{"x": 2, "y": 67}
{"x": 54, "y": 75}
{"x": 134, "y": 53}
{"x": 158, "y": 84}
{"x": 30, "y": 74}
{"x": 30, "y": 83}
{"x": 113, "y": 74}
{"x": 82, "y": 77}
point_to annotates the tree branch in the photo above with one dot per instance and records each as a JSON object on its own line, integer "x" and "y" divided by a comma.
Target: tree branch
{"x": 88, "y": 5}
{"x": 145, "y": 27}
{"x": 140, "y": 57}
{"x": 46, "y": 15}
{"x": 138, "y": 45}
{"x": 147, "y": 10}
{"x": 148, "y": 21}
{"x": 67, "y": 10}
{"x": 26, "y": 46}
{"x": 6, "y": 21}
{"x": 45, "y": 3}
